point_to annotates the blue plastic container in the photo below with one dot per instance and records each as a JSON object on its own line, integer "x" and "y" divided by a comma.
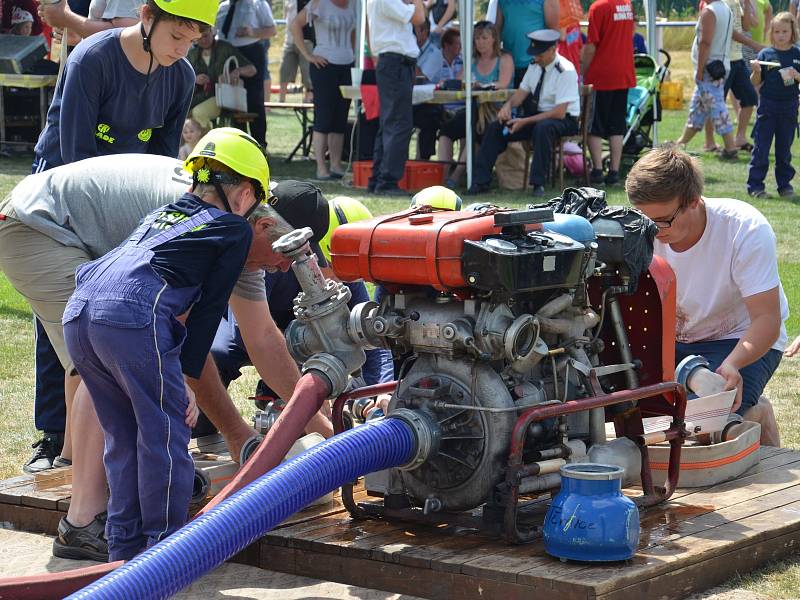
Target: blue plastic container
{"x": 573, "y": 226}
{"x": 590, "y": 519}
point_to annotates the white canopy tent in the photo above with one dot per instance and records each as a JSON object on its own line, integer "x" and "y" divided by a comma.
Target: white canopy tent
{"x": 466, "y": 18}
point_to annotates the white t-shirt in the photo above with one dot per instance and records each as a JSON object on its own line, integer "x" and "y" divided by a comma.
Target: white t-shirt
{"x": 390, "y": 27}
{"x": 249, "y": 13}
{"x": 334, "y": 28}
{"x": 558, "y": 86}
{"x": 114, "y": 9}
{"x": 735, "y": 258}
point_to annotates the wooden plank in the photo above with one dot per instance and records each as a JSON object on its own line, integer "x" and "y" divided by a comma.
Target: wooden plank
{"x": 401, "y": 579}
{"x": 701, "y": 576}
{"x": 27, "y": 493}
{"x": 27, "y": 518}
{"x": 8, "y": 487}
{"x": 504, "y": 566}
{"x": 53, "y": 478}
{"x": 282, "y": 536}
{"x": 413, "y": 537}
{"x": 355, "y": 539}
{"x": 440, "y": 554}
{"x": 48, "y": 498}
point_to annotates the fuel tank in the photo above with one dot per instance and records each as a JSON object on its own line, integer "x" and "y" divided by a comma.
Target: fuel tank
{"x": 415, "y": 247}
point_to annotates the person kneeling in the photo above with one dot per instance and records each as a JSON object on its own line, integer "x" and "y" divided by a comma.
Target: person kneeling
{"x": 731, "y": 305}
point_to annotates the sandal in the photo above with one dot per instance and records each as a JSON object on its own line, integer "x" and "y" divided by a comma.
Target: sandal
{"x": 729, "y": 154}
{"x": 746, "y": 147}
{"x": 713, "y": 149}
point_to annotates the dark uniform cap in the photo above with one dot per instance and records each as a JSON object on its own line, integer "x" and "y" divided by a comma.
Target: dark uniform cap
{"x": 302, "y": 205}
{"x": 542, "y": 40}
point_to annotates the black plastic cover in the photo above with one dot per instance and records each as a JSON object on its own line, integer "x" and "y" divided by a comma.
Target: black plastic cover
{"x": 639, "y": 231}
{"x": 513, "y": 264}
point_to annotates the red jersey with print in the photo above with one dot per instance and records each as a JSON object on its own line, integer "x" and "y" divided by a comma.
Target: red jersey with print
{"x": 611, "y": 27}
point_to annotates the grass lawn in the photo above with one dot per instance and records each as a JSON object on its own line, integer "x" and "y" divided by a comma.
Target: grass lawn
{"x": 723, "y": 179}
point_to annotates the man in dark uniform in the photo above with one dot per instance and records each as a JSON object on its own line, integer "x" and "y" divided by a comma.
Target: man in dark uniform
{"x": 551, "y": 101}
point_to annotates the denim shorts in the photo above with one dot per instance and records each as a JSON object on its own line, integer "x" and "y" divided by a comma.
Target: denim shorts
{"x": 755, "y": 376}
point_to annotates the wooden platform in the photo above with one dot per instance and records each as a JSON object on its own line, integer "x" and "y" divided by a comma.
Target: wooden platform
{"x": 699, "y": 539}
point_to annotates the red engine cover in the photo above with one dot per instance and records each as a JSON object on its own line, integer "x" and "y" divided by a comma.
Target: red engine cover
{"x": 415, "y": 247}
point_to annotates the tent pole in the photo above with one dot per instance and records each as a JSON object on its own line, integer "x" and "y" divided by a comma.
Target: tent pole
{"x": 465, "y": 11}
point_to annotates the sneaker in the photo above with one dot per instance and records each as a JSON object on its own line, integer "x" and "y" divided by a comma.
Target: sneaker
{"x": 758, "y": 194}
{"x": 60, "y": 461}
{"x": 44, "y": 453}
{"x": 82, "y": 543}
{"x": 596, "y": 176}
{"x": 786, "y": 192}
{"x": 612, "y": 178}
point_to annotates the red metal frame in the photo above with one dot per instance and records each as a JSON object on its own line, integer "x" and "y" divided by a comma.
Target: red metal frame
{"x": 670, "y": 399}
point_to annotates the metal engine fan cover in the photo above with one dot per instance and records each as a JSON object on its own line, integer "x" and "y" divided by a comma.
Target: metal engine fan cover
{"x": 474, "y": 445}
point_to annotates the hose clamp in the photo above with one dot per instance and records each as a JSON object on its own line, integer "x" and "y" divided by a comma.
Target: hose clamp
{"x": 426, "y": 433}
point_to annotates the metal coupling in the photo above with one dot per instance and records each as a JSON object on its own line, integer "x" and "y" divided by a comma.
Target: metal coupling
{"x": 426, "y": 432}
{"x": 333, "y": 369}
{"x": 201, "y": 486}
{"x": 249, "y": 447}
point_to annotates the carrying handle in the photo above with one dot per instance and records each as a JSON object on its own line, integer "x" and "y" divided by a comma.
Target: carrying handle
{"x": 226, "y": 69}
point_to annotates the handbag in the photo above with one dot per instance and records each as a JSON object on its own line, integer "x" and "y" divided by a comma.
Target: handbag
{"x": 716, "y": 68}
{"x": 227, "y": 95}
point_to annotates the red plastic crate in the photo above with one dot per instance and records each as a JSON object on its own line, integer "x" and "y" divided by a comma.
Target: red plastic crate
{"x": 418, "y": 174}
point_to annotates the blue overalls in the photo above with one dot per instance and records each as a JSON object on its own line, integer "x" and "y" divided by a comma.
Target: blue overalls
{"x": 121, "y": 331}
{"x": 775, "y": 119}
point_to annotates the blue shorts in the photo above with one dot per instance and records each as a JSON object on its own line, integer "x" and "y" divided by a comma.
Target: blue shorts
{"x": 754, "y": 376}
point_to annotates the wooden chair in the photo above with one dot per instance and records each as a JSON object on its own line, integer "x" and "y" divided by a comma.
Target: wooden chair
{"x": 581, "y": 138}
{"x": 231, "y": 118}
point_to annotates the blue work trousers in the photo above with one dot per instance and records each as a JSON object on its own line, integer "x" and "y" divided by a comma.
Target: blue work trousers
{"x": 121, "y": 331}
{"x": 778, "y": 120}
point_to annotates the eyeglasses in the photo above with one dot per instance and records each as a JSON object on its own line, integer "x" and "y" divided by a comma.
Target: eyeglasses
{"x": 667, "y": 223}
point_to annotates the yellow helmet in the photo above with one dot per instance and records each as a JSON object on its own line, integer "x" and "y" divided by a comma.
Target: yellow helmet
{"x": 204, "y": 11}
{"x": 437, "y": 196}
{"x": 236, "y": 150}
{"x": 343, "y": 209}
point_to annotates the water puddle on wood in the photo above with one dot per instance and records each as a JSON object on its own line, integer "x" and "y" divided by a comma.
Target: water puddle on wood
{"x": 660, "y": 524}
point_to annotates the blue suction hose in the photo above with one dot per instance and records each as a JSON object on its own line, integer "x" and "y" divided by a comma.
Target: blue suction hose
{"x": 211, "y": 539}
